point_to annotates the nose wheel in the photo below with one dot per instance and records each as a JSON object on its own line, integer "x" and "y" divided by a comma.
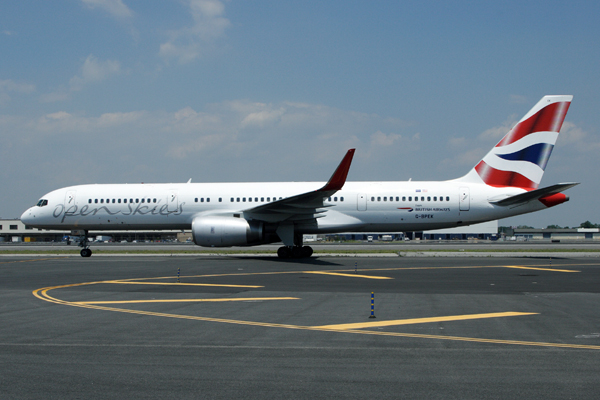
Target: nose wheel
{"x": 83, "y": 243}
{"x": 86, "y": 252}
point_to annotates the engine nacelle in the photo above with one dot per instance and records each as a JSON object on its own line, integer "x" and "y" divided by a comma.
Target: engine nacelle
{"x": 226, "y": 232}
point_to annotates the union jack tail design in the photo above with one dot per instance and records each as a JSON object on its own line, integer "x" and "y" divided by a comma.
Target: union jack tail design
{"x": 520, "y": 158}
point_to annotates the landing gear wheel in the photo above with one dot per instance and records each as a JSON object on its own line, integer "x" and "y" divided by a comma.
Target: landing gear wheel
{"x": 284, "y": 252}
{"x": 297, "y": 252}
{"x": 307, "y": 251}
{"x": 86, "y": 253}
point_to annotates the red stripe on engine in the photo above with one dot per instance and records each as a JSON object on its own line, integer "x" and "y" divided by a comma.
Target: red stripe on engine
{"x": 549, "y": 118}
{"x": 495, "y": 177}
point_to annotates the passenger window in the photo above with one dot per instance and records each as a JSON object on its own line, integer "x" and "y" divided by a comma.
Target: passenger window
{"x": 329, "y": 199}
{"x": 244, "y": 199}
{"x": 196, "y": 200}
{"x": 89, "y": 201}
{"x": 154, "y": 200}
{"x": 256, "y": 199}
{"x": 102, "y": 201}
{"x": 119, "y": 201}
{"x": 422, "y": 198}
{"x": 202, "y": 200}
{"x": 428, "y": 198}
{"x": 124, "y": 200}
{"x": 208, "y": 199}
{"x": 378, "y": 198}
{"x": 250, "y": 199}
{"x": 231, "y": 200}
{"x": 96, "y": 201}
{"x": 335, "y": 199}
{"x": 143, "y": 200}
{"x": 262, "y": 199}
{"x": 434, "y": 198}
{"x": 220, "y": 199}
{"x": 137, "y": 200}
{"x": 238, "y": 199}
{"x": 385, "y": 198}
{"x": 403, "y": 198}
{"x": 268, "y": 199}
{"x": 341, "y": 199}
{"x": 447, "y": 198}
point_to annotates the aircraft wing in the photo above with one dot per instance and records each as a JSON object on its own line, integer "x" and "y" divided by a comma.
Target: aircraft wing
{"x": 304, "y": 207}
{"x": 534, "y": 194}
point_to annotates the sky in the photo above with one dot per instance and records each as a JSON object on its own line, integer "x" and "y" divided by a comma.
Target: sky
{"x": 127, "y": 91}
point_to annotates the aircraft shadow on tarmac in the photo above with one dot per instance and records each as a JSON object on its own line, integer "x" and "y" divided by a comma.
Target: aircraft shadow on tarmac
{"x": 304, "y": 261}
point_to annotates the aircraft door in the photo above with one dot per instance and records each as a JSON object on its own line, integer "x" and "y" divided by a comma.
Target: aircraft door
{"x": 70, "y": 199}
{"x": 172, "y": 200}
{"x": 362, "y": 202}
{"x": 464, "y": 199}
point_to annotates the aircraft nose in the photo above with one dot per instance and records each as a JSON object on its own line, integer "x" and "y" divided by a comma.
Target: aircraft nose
{"x": 27, "y": 217}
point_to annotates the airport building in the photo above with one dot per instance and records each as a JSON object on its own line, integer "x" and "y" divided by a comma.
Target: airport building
{"x": 13, "y": 230}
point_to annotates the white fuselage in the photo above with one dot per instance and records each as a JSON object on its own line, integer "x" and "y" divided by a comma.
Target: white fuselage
{"x": 358, "y": 207}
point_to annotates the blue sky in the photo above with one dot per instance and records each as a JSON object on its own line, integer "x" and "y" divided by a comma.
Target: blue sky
{"x": 98, "y": 91}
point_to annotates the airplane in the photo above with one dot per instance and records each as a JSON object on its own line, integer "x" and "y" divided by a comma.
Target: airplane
{"x": 503, "y": 184}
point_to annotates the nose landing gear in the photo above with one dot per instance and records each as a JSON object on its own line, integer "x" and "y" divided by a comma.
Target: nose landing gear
{"x": 83, "y": 243}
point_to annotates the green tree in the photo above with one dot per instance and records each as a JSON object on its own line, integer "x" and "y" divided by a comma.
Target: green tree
{"x": 588, "y": 224}
{"x": 556, "y": 227}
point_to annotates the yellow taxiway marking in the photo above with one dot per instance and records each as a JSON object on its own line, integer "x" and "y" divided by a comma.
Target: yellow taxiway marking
{"x": 350, "y": 275}
{"x": 181, "y": 284}
{"x": 541, "y": 269}
{"x": 360, "y": 325}
{"x": 42, "y": 294}
{"x": 188, "y": 300}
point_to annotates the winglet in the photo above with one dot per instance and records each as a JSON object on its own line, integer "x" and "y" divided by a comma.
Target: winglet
{"x": 337, "y": 180}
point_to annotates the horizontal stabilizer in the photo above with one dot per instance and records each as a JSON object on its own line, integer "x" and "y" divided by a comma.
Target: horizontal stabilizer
{"x": 534, "y": 194}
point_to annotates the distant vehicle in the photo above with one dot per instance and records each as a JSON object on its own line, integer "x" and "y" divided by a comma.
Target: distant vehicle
{"x": 387, "y": 238}
{"x": 369, "y": 238}
{"x": 503, "y": 184}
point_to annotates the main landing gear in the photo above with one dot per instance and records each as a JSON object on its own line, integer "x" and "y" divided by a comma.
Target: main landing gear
{"x": 294, "y": 252}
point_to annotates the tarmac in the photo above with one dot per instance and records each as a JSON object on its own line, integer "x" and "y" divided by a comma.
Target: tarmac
{"x": 260, "y": 327}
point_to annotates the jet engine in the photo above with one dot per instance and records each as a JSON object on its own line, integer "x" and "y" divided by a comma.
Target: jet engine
{"x": 227, "y": 231}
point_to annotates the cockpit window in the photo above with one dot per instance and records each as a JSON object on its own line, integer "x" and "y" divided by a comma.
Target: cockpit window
{"x": 42, "y": 203}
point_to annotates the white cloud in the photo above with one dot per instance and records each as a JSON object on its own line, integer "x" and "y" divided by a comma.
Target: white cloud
{"x": 93, "y": 71}
{"x": 12, "y": 86}
{"x": 9, "y": 86}
{"x": 518, "y": 99}
{"x": 262, "y": 118}
{"x": 573, "y": 136}
{"x": 187, "y": 44}
{"x": 114, "y": 7}
{"x": 496, "y": 133}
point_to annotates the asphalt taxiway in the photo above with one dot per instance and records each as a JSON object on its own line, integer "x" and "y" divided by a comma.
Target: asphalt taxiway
{"x": 223, "y": 327}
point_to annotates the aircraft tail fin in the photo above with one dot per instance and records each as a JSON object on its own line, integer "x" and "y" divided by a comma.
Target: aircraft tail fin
{"x": 520, "y": 158}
